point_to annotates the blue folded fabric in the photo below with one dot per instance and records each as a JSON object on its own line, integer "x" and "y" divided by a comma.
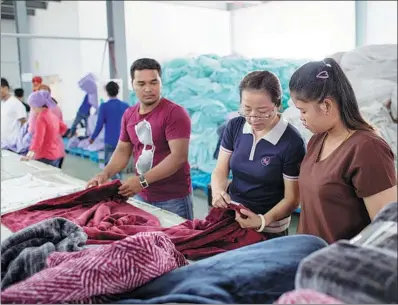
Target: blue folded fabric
{"x": 259, "y": 273}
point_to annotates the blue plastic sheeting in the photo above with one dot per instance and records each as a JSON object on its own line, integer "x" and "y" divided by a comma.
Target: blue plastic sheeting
{"x": 207, "y": 86}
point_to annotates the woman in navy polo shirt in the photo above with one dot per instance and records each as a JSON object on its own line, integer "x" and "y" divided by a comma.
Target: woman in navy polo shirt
{"x": 264, "y": 153}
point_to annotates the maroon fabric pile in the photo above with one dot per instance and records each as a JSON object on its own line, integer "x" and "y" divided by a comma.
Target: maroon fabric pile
{"x": 106, "y": 216}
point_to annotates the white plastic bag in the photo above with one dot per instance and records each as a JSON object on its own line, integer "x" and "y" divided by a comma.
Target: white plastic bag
{"x": 370, "y": 91}
{"x": 361, "y": 56}
{"x": 393, "y": 106}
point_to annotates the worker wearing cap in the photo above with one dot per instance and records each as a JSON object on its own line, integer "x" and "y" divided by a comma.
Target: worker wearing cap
{"x": 36, "y": 82}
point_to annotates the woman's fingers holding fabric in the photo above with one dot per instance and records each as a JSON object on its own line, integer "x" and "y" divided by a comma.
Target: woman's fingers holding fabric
{"x": 219, "y": 202}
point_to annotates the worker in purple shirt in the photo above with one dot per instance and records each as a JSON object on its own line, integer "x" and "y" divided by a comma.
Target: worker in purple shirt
{"x": 110, "y": 114}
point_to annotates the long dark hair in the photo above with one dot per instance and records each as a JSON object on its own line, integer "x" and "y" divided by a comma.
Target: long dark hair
{"x": 318, "y": 80}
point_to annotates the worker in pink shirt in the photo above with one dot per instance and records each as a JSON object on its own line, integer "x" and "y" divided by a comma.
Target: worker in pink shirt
{"x": 47, "y": 145}
{"x": 56, "y": 110}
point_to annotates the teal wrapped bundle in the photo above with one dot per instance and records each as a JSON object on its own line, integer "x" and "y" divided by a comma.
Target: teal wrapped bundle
{"x": 208, "y": 87}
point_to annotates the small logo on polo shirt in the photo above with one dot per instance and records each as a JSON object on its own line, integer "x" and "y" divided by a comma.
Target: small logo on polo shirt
{"x": 265, "y": 161}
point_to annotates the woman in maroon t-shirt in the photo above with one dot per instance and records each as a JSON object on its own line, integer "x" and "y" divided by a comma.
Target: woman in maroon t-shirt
{"x": 348, "y": 173}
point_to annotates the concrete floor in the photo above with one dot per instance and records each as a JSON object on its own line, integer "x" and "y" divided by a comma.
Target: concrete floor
{"x": 85, "y": 169}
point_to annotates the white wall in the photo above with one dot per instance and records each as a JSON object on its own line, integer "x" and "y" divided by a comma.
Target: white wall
{"x": 9, "y": 55}
{"x": 94, "y": 54}
{"x": 381, "y": 22}
{"x": 59, "y": 57}
{"x": 294, "y": 29}
{"x": 221, "y": 5}
{"x": 164, "y": 31}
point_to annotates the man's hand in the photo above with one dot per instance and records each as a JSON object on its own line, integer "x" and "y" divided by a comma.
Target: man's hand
{"x": 253, "y": 221}
{"x": 98, "y": 180}
{"x": 91, "y": 141}
{"x": 130, "y": 187}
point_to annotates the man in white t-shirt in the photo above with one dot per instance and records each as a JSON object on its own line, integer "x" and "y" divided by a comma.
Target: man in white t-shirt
{"x": 13, "y": 114}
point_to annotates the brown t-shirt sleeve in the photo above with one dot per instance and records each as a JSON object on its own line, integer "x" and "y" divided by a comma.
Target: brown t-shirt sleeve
{"x": 373, "y": 169}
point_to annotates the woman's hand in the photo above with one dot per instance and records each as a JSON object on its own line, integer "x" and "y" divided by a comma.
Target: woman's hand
{"x": 253, "y": 221}
{"x": 29, "y": 156}
{"x": 221, "y": 200}
{"x": 26, "y": 158}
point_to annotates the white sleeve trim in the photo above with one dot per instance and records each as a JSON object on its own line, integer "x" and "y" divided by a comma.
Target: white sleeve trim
{"x": 278, "y": 226}
{"x": 226, "y": 150}
{"x": 291, "y": 178}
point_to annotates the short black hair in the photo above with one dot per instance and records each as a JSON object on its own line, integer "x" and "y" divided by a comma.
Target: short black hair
{"x": 112, "y": 89}
{"x": 4, "y": 83}
{"x": 318, "y": 80}
{"x": 19, "y": 92}
{"x": 145, "y": 64}
{"x": 263, "y": 81}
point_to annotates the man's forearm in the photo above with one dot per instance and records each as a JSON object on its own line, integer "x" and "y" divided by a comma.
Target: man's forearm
{"x": 284, "y": 208}
{"x": 117, "y": 163}
{"x": 97, "y": 130}
{"x": 164, "y": 169}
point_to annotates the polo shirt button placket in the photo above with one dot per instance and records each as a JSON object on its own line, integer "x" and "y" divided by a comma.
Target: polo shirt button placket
{"x": 252, "y": 151}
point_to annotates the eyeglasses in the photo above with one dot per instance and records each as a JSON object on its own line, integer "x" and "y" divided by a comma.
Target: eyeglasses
{"x": 260, "y": 116}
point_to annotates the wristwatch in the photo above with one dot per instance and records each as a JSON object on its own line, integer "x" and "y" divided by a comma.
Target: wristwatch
{"x": 143, "y": 182}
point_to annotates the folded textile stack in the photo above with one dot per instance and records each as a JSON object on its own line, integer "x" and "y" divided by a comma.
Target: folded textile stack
{"x": 360, "y": 271}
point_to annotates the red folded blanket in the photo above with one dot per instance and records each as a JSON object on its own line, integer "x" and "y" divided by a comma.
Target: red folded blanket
{"x": 93, "y": 275}
{"x": 106, "y": 216}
